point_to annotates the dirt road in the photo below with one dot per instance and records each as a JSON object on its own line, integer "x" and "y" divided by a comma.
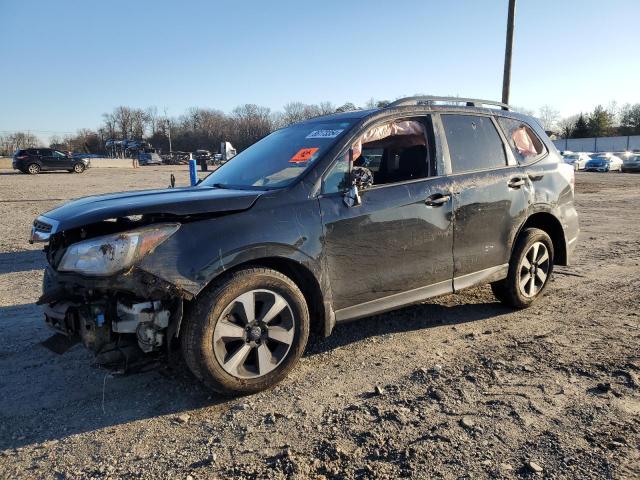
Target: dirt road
{"x": 467, "y": 388}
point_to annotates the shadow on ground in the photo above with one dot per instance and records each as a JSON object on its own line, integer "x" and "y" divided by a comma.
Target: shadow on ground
{"x": 49, "y": 397}
{"x": 22, "y": 261}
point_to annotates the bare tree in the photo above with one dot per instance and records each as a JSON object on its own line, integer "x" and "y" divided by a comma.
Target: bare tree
{"x": 138, "y": 122}
{"x": 152, "y": 119}
{"x": 250, "y": 123}
{"x": 567, "y": 126}
{"x": 548, "y": 117}
{"x": 109, "y": 124}
{"x": 16, "y": 141}
{"x": 122, "y": 116}
{"x": 326, "y": 108}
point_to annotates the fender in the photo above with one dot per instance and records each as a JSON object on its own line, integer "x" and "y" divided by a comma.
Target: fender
{"x": 534, "y": 219}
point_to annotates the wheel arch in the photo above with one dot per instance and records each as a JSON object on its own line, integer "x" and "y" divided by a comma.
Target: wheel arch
{"x": 550, "y": 224}
{"x": 320, "y": 311}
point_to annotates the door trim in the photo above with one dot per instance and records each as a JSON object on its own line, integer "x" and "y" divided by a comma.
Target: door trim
{"x": 397, "y": 300}
{"x": 487, "y": 275}
{"x": 394, "y": 301}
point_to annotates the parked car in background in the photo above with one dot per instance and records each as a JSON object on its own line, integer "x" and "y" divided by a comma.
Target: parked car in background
{"x": 604, "y": 162}
{"x": 149, "y": 159}
{"x": 36, "y": 160}
{"x": 578, "y": 160}
{"x": 631, "y": 163}
{"x": 300, "y": 235}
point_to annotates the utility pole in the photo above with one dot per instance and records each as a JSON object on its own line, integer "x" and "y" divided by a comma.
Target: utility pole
{"x": 169, "y": 131}
{"x": 166, "y": 117}
{"x": 506, "y": 78}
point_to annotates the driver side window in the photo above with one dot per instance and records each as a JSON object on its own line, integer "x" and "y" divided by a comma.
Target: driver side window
{"x": 394, "y": 152}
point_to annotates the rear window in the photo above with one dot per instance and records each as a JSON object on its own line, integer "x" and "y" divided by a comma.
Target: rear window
{"x": 474, "y": 143}
{"x": 525, "y": 144}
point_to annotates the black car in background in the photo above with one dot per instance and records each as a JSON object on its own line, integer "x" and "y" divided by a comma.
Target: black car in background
{"x": 322, "y": 222}
{"x": 36, "y": 160}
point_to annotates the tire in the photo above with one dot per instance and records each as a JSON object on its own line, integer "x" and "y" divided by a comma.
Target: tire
{"x": 216, "y": 333}
{"x": 517, "y": 290}
{"x": 33, "y": 169}
{"x": 78, "y": 168}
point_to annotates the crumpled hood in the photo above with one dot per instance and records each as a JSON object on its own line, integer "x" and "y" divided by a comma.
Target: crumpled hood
{"x": 176, "y": 201}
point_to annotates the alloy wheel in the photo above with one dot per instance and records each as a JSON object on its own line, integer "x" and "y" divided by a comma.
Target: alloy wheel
{"x": 34, "y": 168}
{"x": 254, "y": 334}
{"x": 534, "y": 269}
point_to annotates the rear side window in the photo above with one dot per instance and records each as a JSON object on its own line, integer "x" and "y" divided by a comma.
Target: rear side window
{"x": 524, "y": 143}
{"x": 474, "y": 143}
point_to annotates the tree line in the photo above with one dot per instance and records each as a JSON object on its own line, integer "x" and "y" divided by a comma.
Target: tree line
{"x": 197, "y": 128}
{"x": 602, "y": 121}
{"x": 206, "y": 128}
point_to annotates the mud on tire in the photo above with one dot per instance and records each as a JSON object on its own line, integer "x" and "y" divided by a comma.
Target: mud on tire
{"x": 197, "y": 336}
{"x": 509, "y": 291}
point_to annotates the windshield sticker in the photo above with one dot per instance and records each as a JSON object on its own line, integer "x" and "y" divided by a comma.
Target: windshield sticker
{"x": 325, "y": 133}
{"x": 303, "y": 155}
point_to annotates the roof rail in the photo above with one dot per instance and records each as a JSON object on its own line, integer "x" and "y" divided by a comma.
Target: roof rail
{"x": 431, "y": 100}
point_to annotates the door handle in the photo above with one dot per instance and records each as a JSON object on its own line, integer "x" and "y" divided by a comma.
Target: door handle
{"x": 516, "y": 182}
{"x": 437, "y": 199}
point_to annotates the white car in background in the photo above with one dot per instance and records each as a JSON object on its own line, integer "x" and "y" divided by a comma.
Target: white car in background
{"x": 577, "y": 159}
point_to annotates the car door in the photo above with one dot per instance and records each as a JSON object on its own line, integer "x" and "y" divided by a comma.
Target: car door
{"x": 394, "y": 248}
{"x": 46, "y": 158}
{"x": 60, "y": 161}
{"x": 490, "y": 198}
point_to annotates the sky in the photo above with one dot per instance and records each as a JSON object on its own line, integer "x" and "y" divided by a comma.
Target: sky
{"x": 64, "y": 63}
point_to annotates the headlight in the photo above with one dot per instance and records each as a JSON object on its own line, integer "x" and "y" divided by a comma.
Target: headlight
{"x": 112, "y": 253}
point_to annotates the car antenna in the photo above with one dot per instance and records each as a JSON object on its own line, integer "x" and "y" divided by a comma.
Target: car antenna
{"x": 172, "y": 181}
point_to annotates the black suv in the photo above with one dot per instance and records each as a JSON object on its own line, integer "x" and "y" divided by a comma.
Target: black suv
{"x": 36, "y": 160}
{"x": 329, "y": 220}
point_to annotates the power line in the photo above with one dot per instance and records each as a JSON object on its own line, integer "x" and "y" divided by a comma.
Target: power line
{"x": 30, "y": 130}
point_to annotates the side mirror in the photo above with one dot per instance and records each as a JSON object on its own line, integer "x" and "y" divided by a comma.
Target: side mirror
{"x": 352, "y": 197}
{"x": 361, "y": 178}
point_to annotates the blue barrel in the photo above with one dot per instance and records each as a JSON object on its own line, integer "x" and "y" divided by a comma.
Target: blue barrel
{"x": 193, "y": 175}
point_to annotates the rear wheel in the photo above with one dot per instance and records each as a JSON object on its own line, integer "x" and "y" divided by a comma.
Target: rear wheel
{"x": 530, "y": 270}
{"x": 247, "y": 332}
{"x": 33, "y": 168}
{"x": 78, "y": 167}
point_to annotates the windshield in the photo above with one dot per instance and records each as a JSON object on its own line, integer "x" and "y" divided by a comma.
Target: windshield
{"x": 279, "y": 158}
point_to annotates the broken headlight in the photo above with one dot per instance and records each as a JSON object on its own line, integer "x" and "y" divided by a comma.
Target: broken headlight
{"x": 112, "y": 253}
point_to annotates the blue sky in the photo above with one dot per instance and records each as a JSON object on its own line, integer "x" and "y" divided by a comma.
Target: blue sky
{"x": 63, "y": 63}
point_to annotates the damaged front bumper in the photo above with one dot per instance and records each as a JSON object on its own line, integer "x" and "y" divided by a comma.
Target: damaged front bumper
{"x": 114, "y": 317}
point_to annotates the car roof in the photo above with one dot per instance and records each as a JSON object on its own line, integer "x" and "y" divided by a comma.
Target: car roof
{"x": 420, "y": 109}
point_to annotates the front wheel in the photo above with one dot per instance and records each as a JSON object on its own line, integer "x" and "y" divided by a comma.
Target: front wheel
{"x": 78, "y": 168}
{"x": 530, "y": 269}
{"x": 245, "y": 333}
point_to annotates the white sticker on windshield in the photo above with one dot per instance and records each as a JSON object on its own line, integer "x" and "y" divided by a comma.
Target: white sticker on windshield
{"x": 325, "y": 133}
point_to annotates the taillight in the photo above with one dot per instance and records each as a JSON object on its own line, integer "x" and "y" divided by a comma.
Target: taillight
{"x": 22, "y": 157}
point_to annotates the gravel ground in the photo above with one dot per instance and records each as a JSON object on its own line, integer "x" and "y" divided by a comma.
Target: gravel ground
{"x": 459, "y": 387}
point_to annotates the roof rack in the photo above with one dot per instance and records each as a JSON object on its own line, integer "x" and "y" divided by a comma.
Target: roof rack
{"x": 431, "y": 100}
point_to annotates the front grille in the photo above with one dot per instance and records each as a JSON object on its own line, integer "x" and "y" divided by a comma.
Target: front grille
{"x": 41, "y": 226}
